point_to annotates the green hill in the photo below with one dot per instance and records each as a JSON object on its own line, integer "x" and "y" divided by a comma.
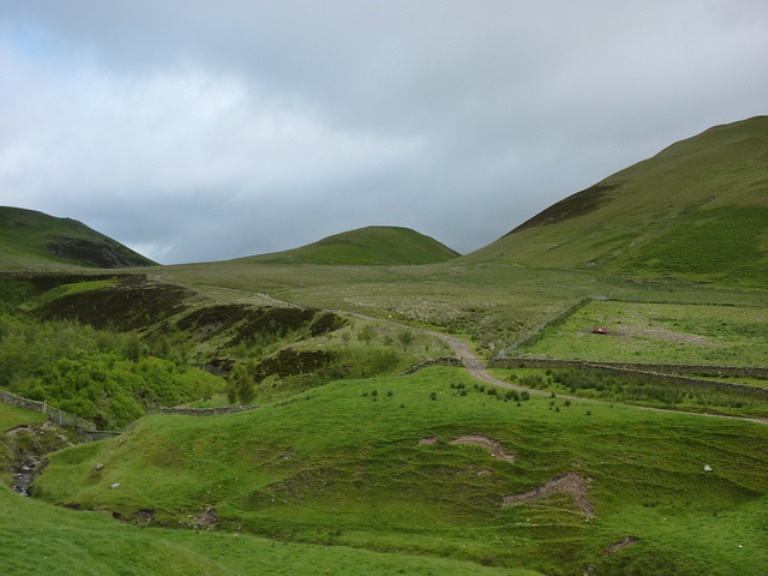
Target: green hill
{"x": 697, "y": 210}
{"x": 374, "y": 245}
{"x": 429, "y": 463}
{"x": 33, "y": 240}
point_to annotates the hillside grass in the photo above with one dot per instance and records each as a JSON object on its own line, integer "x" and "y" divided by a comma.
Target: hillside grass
{"x": 708, "y": 242}
{"x": 41, "y": 539}
{"x": 25, "y": 234}
{"x": 696, "y": 210}
{"x": 344, "y": 466}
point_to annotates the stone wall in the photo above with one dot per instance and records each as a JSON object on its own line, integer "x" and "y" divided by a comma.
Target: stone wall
{"x": 54, "y": 414}
{"x": 204, "y": 411}
{"x": 664, "y": 372}
{"x": 444, "y": 361}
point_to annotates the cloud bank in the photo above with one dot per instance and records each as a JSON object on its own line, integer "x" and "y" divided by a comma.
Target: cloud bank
{"x": 213, "y": 130}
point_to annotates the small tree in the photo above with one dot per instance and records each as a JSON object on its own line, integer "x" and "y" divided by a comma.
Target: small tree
{"x": 406, "y": 338}
{"x": 245, "y": 391}
{"x": 367, "y": 334}
{"x": 231, "y": 393}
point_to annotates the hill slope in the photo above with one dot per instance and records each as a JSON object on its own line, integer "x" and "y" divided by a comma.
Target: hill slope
{"x": 374, "y": 245}
{"x": 29, "y": 239}
{"x": 429, "y": 464}
{"x": 698, "y": 210}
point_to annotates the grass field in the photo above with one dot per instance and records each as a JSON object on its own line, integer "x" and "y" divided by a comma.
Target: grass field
{"x": 346, "y": 466}
{"x": 660, "y": 333}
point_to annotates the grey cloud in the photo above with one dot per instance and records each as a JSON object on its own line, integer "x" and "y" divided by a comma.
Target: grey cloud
{"x": 210, "y": 130}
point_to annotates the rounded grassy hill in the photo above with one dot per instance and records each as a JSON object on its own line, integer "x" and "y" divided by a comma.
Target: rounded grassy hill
{"x": 371, "y": 246}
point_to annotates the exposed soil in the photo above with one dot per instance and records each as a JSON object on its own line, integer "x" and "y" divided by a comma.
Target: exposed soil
{"x": 569, "y": 483}
{"x": 628, "y": 541}
{"x": 484, "y": 442}
{"x": 658, "y": 333}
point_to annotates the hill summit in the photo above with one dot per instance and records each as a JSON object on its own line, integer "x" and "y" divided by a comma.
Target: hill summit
{"x": 371, "y": 246}
{"x": 697, "y": 210}
{"x": 30, "y": 239}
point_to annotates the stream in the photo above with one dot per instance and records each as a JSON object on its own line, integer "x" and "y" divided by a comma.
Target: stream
{"x": 23, "y": 477}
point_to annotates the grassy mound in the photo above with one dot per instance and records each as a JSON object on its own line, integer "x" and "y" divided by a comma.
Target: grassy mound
{"x": 373, "y": 246}
{"x": 33, "y": 240}
{"x": 379, "y": 464}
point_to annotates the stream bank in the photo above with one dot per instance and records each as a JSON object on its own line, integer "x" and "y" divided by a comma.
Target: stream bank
{"x": 24, "y": 449}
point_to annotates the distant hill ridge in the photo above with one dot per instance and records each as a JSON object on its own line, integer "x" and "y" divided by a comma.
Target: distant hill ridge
{"x": 30, "y": 239}
{"x": 696, "y": 210}
{"x": 371, "y": 246}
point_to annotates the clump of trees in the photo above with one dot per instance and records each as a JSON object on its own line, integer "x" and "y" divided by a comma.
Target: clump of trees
{"x": 106, "y": 377}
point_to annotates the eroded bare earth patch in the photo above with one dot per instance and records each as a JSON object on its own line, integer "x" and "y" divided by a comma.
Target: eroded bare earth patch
{"x": 484, "y": 442}
{"x": 628, "y": 541}
{"x": 658, "y": 333}
{"x": 569, "y": 483}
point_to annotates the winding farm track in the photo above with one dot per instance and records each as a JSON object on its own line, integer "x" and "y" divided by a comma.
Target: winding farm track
{"x": 477, "y": 370}
{"x": 475, "y": 366}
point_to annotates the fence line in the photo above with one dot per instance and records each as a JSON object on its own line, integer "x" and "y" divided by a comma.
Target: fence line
{"x": 204, "y": 411}
{"x": 55, "y": 415}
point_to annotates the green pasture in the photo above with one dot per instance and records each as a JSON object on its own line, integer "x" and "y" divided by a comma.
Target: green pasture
{"x": 344, "y": 466}
{"x": 658, "y": 333}
{"x": 42, "y": 539}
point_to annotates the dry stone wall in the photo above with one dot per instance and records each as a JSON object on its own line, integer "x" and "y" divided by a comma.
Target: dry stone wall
{"x": 664, "y": 372}
{"x": 54, "y": 414}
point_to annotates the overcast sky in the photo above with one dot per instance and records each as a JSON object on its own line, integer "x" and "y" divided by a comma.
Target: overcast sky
{"x": 206, "y": 130}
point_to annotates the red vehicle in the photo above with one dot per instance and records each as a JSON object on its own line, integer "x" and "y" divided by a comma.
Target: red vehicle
{"x": 600, "y": 330}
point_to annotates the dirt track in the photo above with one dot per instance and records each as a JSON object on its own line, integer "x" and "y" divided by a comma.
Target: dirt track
{"x": 477, "y": 370}
{"x": 475, "y": 366}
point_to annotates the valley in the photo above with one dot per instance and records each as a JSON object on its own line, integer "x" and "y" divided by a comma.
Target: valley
{"x": 401, "y": 409}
